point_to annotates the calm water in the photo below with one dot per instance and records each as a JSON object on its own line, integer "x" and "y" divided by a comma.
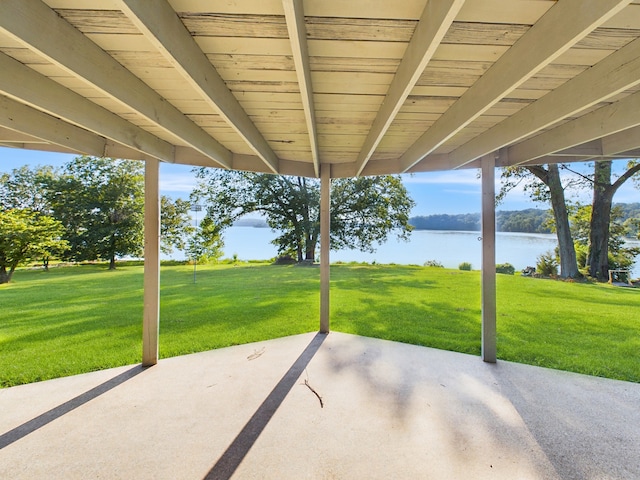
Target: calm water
{"x": 448, "y": 248}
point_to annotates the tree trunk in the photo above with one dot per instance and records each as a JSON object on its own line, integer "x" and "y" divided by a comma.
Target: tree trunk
{"x": 568, "y": 261}
{"x": 310, "y": 250}
{"x": 551, "y": 178}
{"x": 598, "y": 258}
{"x": 112, "y": 262}
{"x": 5, "y": 277}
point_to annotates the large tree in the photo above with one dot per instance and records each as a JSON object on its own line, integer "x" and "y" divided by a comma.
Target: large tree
{"x": 620, "y": 255}
{"x": 545, "y": 185}
{"x": 364, "y": 210}
{"x": 100, "y": 201}
{"x": 25, "y": 234}
{"x": 604, "y": 188}
{"x": 25, "y": 189}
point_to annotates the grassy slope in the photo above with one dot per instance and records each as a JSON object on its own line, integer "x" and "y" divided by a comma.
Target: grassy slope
{"x": 77, "y": 319}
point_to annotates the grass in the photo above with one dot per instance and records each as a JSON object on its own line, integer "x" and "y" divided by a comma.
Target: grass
{"x": 77, "y": 319}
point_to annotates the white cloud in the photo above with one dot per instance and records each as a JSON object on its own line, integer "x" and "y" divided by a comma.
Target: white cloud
{"x": 177, "y": 182}
{"x": 457, "y": 177}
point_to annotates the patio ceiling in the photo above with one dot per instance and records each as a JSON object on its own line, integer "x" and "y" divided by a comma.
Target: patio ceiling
{"x": 286, "y": 86}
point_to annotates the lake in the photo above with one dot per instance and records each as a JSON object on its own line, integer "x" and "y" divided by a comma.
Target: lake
{"x": 447, "y": 247}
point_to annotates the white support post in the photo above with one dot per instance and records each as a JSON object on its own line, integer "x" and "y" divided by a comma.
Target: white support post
{"x": 151, "y": 314}
{"x": 325, "y": 226}
{"x": 488, "y": 259}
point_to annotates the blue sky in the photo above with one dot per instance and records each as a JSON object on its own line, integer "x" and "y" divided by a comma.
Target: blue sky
{"x": 434, "y": 193}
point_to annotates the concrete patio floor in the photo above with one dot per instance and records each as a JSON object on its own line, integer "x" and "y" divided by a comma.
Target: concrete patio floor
{"x": 388, "y": 411}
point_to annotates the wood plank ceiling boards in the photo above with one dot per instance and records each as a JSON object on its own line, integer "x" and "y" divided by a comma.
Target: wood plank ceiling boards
{"x": 286, "y": 86}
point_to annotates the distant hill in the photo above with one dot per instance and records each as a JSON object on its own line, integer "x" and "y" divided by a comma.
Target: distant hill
{"x": 531, "y": 220}
{"x": 251, "y": 222}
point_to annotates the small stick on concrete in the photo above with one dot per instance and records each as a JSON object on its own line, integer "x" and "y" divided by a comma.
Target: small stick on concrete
{"x": 316, "y": 393}
{"x": 256, "y": 354}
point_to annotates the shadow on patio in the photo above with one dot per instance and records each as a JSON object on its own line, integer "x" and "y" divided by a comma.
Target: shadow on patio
{"x": 388, "y": 410}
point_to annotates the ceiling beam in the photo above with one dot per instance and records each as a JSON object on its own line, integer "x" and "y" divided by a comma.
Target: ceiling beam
{"x": 432, "y": 27}
{"x": 21, "y": 118}
{"x": 38, "y": 26}
{"x": 614, "y": 74}
{"x": 11, "y": 136}
{"x": 547, "y": 39}
{"x": 161, "y": 25}
{"x": 592, "y": 148}
{"x": 608, "y": 120}
{"x": 294, "y": 15}
{"x": 26, "y": 85}
{"x": 621, "y": 142}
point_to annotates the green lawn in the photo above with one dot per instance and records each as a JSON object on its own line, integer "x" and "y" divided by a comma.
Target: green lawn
{"x": 77, "y": 319}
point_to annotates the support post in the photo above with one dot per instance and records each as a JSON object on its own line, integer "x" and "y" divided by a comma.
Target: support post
{"x": 489, "y": 353}
{"x": 151, "y": 314}
{"x": 325, "y": 226}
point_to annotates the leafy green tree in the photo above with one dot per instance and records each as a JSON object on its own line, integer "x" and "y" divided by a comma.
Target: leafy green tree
{"x": 619, "y": 256}
{"x": 26, "y": 188}
{"x": 206, "y": 244}
{"x": 604, "y": 188}
{"x": 175, "y": 227}
{"x": 545, "y": 185}
{"x": 25, "y": 234}
{"x": 364, "y": 210}
{"x": 100, "y": 202}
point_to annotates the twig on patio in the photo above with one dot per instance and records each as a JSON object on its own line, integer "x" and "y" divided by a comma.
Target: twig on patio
{"x": 256, "y": 354}
{"x": 316, "y": 393}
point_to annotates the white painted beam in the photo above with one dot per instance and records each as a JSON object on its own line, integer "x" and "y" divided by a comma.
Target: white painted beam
{"x": 11, "y": 136}
{"x": 38, "y": 26}
{"x": 434, "y": 22}
{"x": 618, "y": 72}
{"x": 607, "y": 120}
{"x": 294, "y": 15}
{"x": 161, "y": 25}
{"x": 590, "y": 149}
{"x": 325, "y": 245}
{"x": 27, "y": 120}
{"x": 551, "y": 36}
{"x": 28, "y": 86}
{"x": 489, "y": 348}
{"x": 151, "y": 311}
{"x": 621, "y": 142}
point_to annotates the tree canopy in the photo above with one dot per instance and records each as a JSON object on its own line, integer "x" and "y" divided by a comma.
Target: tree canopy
{"x": 364, "y": 210}
{"x": 100, "y": 202}
{"x": 26, "y": 234}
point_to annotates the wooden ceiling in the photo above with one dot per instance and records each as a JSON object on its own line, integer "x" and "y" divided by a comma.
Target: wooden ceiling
{"x": 286, "y": 86}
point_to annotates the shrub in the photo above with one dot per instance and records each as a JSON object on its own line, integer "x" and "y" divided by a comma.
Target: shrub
{"x": 506, "y": 268}
{"x": 464, "y": 266}
{"x": 547, "y": 264}
{"x": 285, "y": 260}
{"x": 433, "y": 263}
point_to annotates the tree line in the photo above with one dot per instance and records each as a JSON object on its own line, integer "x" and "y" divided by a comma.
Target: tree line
{"x": 529, "y": 220}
